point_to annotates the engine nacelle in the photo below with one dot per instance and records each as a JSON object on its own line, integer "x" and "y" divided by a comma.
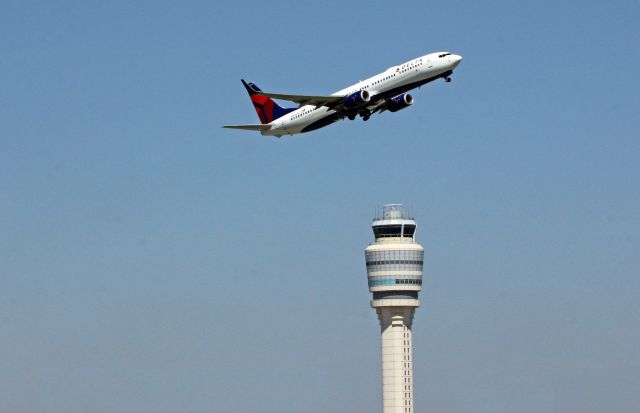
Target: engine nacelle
{"x": 356, "y": 99}
{"x": 399, "y": 102}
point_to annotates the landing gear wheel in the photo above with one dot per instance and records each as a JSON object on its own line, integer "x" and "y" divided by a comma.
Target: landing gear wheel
{"x": 351, "y": 116}
{"x": 366, "y": 114}
{"x": 447, "y": 79}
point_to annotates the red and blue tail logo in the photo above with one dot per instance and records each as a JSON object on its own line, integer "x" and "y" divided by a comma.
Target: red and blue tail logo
{"x": 265, "y": 107}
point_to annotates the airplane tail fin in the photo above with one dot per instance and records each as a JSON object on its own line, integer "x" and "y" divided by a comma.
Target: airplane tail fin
{"x": 265, "y": 107}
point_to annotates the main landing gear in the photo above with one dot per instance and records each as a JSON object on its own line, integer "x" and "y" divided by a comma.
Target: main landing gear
{"x": 365, "y": 114}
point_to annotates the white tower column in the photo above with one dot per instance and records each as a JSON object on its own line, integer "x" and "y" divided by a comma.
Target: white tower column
{"x": 397, "y": 364}
{"x": 394, "y": 272}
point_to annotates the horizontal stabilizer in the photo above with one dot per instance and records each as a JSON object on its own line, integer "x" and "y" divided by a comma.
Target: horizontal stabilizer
{"x": 256, "y": 127}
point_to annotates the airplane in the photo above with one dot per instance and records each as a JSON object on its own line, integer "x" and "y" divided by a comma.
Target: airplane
{"x": 386, "y": 91}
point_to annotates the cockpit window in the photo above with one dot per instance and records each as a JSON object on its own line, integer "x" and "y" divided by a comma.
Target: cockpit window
{"x": 443, "y": 55}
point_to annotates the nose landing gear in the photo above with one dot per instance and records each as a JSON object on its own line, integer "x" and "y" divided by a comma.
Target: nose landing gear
{"x": 447, "y": 79}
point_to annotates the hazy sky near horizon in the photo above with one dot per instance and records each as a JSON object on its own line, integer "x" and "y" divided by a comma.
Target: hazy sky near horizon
{"x": 152, "y": 261}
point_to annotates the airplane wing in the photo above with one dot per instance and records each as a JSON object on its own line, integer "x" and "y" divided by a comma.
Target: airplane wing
{"x": 330, "y": 101}
{"x": 256, "y": 127}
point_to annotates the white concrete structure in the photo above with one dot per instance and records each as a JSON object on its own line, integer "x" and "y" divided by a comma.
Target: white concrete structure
{"x": 394, "y": 271}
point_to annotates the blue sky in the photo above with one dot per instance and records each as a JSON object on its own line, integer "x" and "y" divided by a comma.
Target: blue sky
{"x": 151, "y": 261}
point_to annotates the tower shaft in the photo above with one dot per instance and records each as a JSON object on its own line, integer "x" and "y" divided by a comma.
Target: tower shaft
{"x": 397, "y": 363}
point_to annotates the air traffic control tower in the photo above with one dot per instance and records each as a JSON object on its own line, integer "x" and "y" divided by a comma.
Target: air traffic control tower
{"x": 394, "y": 271}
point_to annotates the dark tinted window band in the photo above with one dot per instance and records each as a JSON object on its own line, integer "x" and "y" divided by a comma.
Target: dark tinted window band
{"x": 388, "y": 262}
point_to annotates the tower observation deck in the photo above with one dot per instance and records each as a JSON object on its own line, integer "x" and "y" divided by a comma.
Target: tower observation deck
{"x": 394, "y": 271}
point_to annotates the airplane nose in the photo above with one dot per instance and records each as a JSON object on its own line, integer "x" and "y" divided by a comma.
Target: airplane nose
{"x": 456, "y": 59}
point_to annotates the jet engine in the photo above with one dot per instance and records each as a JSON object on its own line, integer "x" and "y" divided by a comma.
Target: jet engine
{"x": 356, "y": 99}
{"x": 399, "y": 102}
